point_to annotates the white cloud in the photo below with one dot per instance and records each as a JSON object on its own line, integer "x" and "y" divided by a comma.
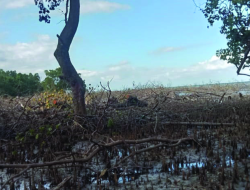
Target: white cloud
{"x": 164, "y": 50}
{"x": 94, "y": 6}
{"x": 31, "y": 57}
{"x": 119, "y": 66}
{"x": 124, "y": 73}
{"x": 215, "y": 63}
{"x": 37, "y": 56}
{"x": 13, "y": 4}
{"x": 87, "y": 6}
{"x": 87, "y": 73}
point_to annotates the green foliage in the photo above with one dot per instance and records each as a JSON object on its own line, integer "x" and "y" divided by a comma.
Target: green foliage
{"x": 54, "y": 80}
{"x": 14, "y": 153}
{"x": 40, "y": 133}
{"x": 234, "y": 15}
{"x": 45, "y": 7}
{"x": 110, "y": 123}
{"x": 57, "y": 99}
{"x": 18, "y": 84}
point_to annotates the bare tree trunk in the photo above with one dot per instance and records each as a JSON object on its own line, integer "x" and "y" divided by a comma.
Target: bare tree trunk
{"x": 62, "y": 55}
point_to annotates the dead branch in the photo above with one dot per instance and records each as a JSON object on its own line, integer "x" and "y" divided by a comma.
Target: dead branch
{"x": 115, "y": 143}
{"x": 24, "y": 108}
{"x": 24, "y": 170}
{"x": 60, "y": 185}
{"x": 151, "y": 139}
{"x": 222, "y": 97}
{"x": 36, "y": 165}
{"x": 151, "y": 148}
{"x": 198, "y": 123}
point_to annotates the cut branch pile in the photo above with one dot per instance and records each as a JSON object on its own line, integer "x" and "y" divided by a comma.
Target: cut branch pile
{"x": 119, "y": 129}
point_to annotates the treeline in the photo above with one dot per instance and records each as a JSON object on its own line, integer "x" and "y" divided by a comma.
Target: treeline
{"x": 19, "y": 84}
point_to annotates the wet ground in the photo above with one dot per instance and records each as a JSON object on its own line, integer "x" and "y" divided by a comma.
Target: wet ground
{"x": 188, "y": 166}
{"x": 218, "y": 159}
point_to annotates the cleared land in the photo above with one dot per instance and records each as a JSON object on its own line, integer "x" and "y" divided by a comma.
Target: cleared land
{"x": 149, "y": 137}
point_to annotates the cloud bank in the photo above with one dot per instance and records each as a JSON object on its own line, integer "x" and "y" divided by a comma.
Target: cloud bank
{"x": 32, "y": 57}
{"x": 15, "y": 4}
{"x": 124, "y": 74}
{"x": 37, "y": 56}
{"x": 88, "y": 6}
{"x": 164, "y": 50}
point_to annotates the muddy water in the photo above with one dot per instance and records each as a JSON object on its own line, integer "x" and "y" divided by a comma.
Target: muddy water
{"x": 140, "y": 173}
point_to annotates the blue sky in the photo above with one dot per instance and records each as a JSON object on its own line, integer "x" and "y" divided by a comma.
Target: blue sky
{"x": 128, "y": 41}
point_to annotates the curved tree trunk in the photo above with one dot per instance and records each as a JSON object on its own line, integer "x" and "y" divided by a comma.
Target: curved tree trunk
{"x": 62, "y": 56}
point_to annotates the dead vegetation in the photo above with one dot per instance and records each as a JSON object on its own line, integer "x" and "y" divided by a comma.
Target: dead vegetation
{"x": 41, "y": 140}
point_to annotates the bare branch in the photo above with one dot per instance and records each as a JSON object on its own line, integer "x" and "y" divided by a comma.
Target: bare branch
{"x": 222, "y": 97}
{"x": 198, "y": 123}
{"x": 244, "y": 74}
{"x": 59, "y": 162}
{"x": 24, "y": 109}
{"x": 60, "y": 185}
{"x": 195, "y": 4}
{"x": 36, "y": 165}
{"x": 24, "y": 170}
{"x": 243, "y": 61}
{"x": 150, "y": 148}
{"x": 156, "y": 139}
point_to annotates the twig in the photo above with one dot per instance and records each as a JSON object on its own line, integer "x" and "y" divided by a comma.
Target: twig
{"x": 76, "y": 123}
{"x": 150, "y": 148}
{"x": 156, "y": 139}
{"x": 105, "y": 108}
{"x": 24, "y": 109}
{"x": 60, "y": 185}
{"x": 195, "y": 4}
{"x": 243, "y": 60}
{"x": 36, "y": 165}
{"x": 155, "y": 106}
{"x": 24, "y": 170}
{"x": 222, "y": 97}
{"x": 198, "y": 123}
{"x": 156, "y": 122}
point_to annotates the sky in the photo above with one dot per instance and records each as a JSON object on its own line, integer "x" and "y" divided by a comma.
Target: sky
{"x": 123, "y": 41}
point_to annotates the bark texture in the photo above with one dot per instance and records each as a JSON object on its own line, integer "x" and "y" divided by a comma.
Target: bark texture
{"x": 62, "y": 56}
